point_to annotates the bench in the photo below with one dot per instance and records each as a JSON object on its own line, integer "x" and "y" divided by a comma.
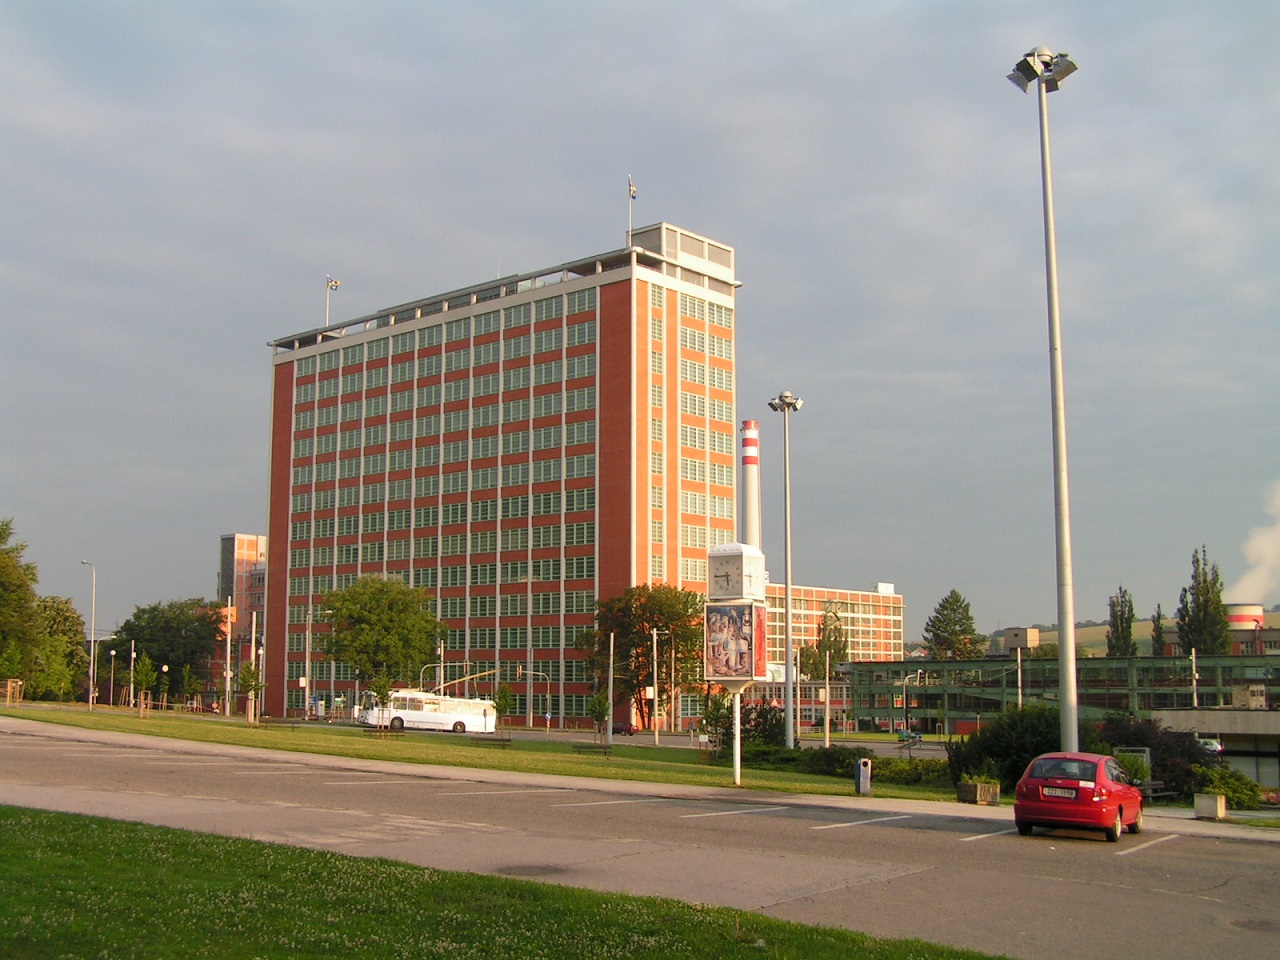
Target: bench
{"x": 501, "y": 742}
{"x": 290, "y": 722}
{"x": 598, "y": 748}
{"x": 383, "y": 732}
{"x": 908, "y": 737}
{"x": 1154, "y": 790}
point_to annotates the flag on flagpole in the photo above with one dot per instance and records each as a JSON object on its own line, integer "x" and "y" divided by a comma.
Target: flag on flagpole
{"x": 631, "y": 187}
{"x": 333, "y": 284}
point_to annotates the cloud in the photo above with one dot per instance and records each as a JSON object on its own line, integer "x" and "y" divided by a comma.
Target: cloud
{"x": 1261, "y": 550}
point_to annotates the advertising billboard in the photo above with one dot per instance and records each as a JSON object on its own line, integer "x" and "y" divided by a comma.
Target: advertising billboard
{"x": 735, "y": 641}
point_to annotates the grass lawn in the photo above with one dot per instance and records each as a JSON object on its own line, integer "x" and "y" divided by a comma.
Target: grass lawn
{"x": 87, "y": 887}
{"x": 629, "y": 760}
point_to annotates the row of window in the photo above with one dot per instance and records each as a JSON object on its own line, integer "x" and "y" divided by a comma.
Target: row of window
{"x": 545, "y": 603}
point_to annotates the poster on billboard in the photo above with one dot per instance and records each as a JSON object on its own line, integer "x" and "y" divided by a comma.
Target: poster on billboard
{"x": 735, "y": 641}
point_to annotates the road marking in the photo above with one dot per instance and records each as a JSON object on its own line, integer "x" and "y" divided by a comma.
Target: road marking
{"x": 1149, "y": 843}
{"x": 983, "y": 836}
{"x": 858, "y": 823}
{"x": 728, "y": 813}
{"x": 605, "y": 803}
{"x": 361, "y": 783}
{"x": 190, "y": 763}
{"x": 503, "y": 793}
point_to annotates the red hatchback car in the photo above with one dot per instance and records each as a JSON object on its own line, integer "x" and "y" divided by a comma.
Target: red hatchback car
{"x": 1080, "y": 790}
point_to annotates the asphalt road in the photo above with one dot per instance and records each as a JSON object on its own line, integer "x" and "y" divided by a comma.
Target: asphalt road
{"x": 938, "y": 871}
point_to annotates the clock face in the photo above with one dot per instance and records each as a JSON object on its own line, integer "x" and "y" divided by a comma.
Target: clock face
{"x": 726, "y": 577}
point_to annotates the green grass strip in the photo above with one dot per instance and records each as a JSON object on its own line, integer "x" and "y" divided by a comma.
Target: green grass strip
{"x": 73, "y": 886}
{"x": 631, "y": 759}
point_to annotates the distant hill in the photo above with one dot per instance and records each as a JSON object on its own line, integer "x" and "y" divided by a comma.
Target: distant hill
{"x": 1094, "y": 639}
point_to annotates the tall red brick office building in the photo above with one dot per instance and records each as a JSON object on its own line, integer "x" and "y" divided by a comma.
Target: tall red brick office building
{"x": 520, "y": 448}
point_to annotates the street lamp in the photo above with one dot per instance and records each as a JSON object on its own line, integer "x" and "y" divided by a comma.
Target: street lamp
{"x": 1047, "y": 70}
{"x": 330, "y": 285}
{"x": 93, "y": 632}
{"x": 785, "y": 403}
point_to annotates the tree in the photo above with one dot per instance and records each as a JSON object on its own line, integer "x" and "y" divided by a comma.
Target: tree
{"x": 1202, "y": 618}
{"x": 503, "y": 703}
{"x": 950, "y": 634}
{"x": 831, "y": 640}
{"x": 251, "y": 684}
{"x": 1157, "y": 632}
{"x": 382, "y": 628}
{"x": 59, "y": 656}
{"x": 631, "y": 617}
{"x": 1120, "y": 642}
{"x": 599, "y": 710}
{"x": 144, "y": 674}
{"x": 18, "y": 631}
{"x": 180, "y": 634}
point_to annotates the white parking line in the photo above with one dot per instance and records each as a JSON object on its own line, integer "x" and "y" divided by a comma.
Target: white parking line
{"x": 983, "y": 836}
{"x": 503, "y": 793}
{"x": 191, "y": 763}
{"x": 858, "y": 823}
{"x": 1149, "y": 843}
{"x": 606, "y": 803}
{"x": 728, "y": 813}
{"x": 361, "y": 783}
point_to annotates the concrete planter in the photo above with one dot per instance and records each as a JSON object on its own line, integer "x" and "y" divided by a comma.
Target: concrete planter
{"x": 987, "y": 794}
{"x": 1211, "y": 806}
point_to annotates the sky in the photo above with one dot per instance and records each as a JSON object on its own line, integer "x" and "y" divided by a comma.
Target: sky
{"x": 178, "y": 178}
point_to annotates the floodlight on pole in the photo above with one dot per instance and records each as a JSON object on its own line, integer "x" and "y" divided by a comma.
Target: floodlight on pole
{"x": 1047, "y": 70}
{"x": 330, "y": 285}
{"x": 785, "y": 403}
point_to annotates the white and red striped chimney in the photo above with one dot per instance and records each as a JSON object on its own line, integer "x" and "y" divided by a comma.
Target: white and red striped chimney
{"x": 750, "y": 504}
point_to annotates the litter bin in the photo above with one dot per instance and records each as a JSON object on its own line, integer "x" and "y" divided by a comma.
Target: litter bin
{"x": 864, "y": 776}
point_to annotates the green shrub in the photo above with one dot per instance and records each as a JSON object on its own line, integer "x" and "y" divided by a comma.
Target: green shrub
{"x": 1135, "y": 766}
{"x": 823, "y": 761}
{"x": 1172, "y": 754}
{"x": 1008, "y": 742}
{"x": 910, "y": 770}
{"x": 1241, "y": 792}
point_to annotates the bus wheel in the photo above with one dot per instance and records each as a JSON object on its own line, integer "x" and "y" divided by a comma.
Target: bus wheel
{"x": 459, "y": 727}
{"x": 397, "y": 724}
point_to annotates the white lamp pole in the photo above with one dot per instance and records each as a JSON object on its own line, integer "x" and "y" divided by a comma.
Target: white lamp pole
{"x": 330, "y": 285}
{"x": 786, "y": 402}
{"x": 608, "y": 736}
{"x": 93, "y": 632}
{"x": 1047, "y": 70}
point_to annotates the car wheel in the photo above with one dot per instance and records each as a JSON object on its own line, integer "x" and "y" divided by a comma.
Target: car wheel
{"x": 1024, "y": 829}
{"x": 1114, "y": 831}
{"x": 1136, "y": 826}
{"x": 397, "y": 724}
{"x": 459, "y": 727}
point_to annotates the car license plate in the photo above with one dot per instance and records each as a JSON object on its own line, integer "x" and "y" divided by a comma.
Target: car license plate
{"x": 1065, "y": 792}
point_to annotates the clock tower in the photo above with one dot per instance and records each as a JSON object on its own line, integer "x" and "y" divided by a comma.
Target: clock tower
{"x": 735, "y": 571}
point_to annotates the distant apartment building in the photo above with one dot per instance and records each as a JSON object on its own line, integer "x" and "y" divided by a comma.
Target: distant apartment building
{"x": 242, "y": 578}
{"x": 520, "y": 448}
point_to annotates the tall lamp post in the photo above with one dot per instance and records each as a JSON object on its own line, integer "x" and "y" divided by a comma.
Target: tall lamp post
{"x": 93, "y": 632}
{"x": 1047, "y": 70}
{"x": 330, "y": 285}
{"x": 785, "y": 403}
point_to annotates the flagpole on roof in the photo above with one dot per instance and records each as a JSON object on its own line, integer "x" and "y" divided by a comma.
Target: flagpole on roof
{"x": 330, "y": 285}
{"x": 631, "y": 202}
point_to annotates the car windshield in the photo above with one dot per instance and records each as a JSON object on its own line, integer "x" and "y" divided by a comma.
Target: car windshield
{"x": 1064, "y": 768}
